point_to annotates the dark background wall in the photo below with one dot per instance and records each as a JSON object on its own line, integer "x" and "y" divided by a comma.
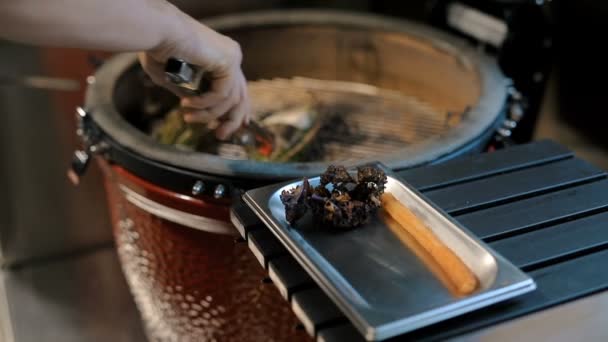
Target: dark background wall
{"x": 581, "y": 66}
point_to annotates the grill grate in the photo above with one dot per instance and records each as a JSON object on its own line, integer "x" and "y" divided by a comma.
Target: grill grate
{"x": 378, "y": 121}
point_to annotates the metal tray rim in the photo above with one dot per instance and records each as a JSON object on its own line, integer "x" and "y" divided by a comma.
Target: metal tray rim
{"x": 388, "y": 330}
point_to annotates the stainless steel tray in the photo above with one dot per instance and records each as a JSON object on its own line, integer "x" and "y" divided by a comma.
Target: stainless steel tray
{"x": 380, "y": 283}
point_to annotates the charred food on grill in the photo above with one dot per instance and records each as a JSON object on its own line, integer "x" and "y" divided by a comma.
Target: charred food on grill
{"x": 340, "y": 200}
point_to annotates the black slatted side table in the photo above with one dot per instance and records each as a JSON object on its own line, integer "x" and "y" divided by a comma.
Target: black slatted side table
{"x": 537, "y": 204}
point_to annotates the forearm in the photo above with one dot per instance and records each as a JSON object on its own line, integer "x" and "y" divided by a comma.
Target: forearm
{"x": 155, "y": 29}
{"x": 112, "y": 25}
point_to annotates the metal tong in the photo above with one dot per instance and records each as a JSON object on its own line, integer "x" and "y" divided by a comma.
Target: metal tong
{"x": 195, "y": 81}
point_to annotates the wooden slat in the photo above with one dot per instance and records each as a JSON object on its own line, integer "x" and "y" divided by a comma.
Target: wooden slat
{"x": 555, "y": 243}
{"x": 288, "y": 275}
{"x": 556, "y": 284}
{"x": 517, "y": 217}
{"x": 315, "y": 310}
{"x": 483, "y": 165}
{"x": 265, "y": 246}
{"x": 510, "y": 186}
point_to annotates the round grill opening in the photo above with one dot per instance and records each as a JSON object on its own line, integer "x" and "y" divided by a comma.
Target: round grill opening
{"x": 349, "y": 92}
{"x": 336, "y": 88}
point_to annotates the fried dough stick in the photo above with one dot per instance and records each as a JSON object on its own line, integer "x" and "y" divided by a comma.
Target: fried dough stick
{"x": 461, "y": 278}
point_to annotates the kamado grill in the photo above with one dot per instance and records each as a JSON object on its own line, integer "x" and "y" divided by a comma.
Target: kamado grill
{"x": 397, "y": 92}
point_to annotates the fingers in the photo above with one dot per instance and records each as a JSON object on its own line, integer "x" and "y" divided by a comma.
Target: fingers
{"x": 221, "y": 89}
{"x": 238, "y": 114}
{"x": 222, "y": 97}
{"x": 156, "y": 72}
{"x": 203, "y": 101}
{"x": 207, "y": 115}
{"x": 228, "y": 97}
{"x": 236, "y": 106}
{"x": 151, "y": 67}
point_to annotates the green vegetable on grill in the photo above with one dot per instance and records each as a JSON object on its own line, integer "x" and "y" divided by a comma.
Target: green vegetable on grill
{"x": 293, "y": 130}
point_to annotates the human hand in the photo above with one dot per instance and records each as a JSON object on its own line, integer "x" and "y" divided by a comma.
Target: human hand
{"x": 227, "y": 100}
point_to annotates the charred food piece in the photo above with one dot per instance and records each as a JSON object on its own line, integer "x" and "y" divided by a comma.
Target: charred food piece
{"x": 336, "y": 175}
{"x": 295, "y": 201}
{"x": 350, "y": 203}
{"x": 322, "y": 191}
{"x": 371, "y": 182}
{"x": 373, "y": 175}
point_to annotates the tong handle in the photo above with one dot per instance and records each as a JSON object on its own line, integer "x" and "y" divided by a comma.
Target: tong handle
{"x": 189, "y": 77}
